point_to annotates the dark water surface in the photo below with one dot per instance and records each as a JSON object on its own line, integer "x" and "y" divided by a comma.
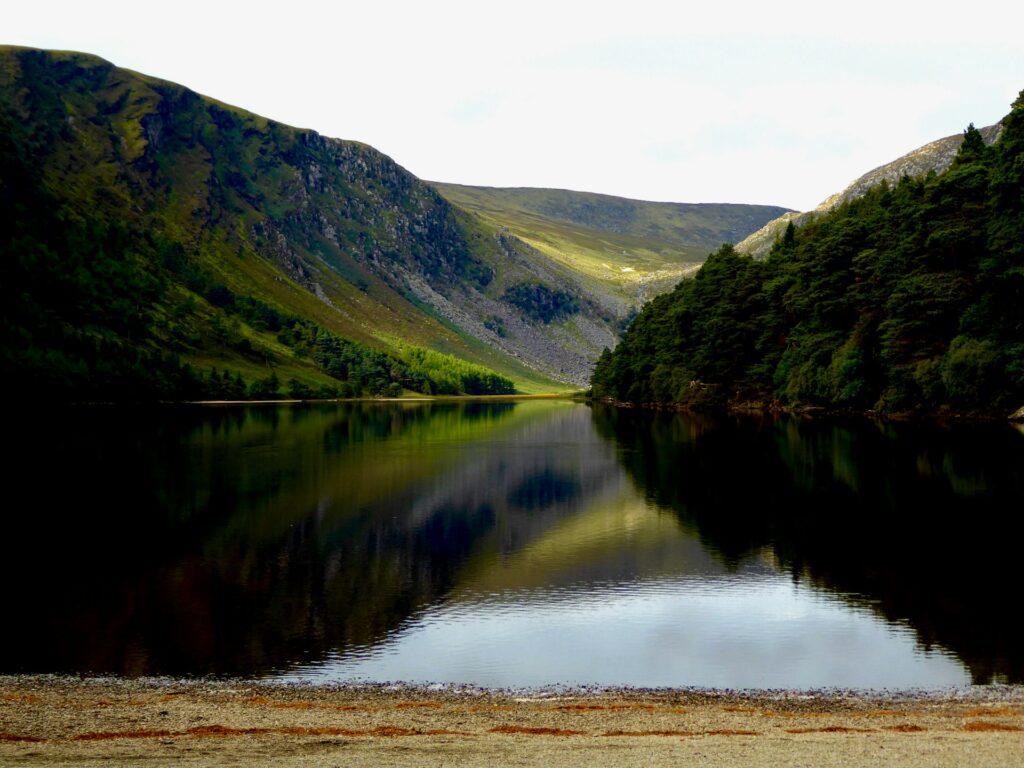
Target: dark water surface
{"x": 520, "y": 544}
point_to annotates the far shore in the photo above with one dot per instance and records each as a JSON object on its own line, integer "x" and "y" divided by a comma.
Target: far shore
{"x": 410, "y": 399}
{"x": 48, "y": 720}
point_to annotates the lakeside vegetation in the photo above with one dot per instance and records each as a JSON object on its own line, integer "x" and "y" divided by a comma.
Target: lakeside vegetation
{"x": 910, "y": 298}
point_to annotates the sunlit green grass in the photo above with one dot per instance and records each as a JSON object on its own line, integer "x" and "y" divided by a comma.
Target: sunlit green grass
{"x": 626, "y": 247}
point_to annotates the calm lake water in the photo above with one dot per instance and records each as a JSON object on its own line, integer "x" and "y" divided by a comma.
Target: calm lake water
{"x": 512, "y": 544}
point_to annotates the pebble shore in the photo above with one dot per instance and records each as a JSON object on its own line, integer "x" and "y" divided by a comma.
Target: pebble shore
{"x": 46, "y": 720}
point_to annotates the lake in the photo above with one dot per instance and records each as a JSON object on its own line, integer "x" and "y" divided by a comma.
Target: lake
{"x": 523, "y": 543}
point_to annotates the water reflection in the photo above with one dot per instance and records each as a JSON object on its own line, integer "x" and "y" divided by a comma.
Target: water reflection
{"x": 671, "y": 632}
{"x": 509, "y": 544}
{"x": 921, "y": 522}
{"x": 239, "y": 541}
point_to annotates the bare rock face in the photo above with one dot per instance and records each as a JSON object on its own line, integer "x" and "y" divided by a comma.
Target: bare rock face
{"x": 935, "y": 156}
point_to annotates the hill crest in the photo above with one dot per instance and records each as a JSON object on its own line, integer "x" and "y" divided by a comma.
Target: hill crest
{"x": 935, "y": 156}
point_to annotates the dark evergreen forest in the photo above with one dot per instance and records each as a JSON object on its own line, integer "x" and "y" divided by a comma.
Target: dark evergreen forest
{"x": 909, "y": 299}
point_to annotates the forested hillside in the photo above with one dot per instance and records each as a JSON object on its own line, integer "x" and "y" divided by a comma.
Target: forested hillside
{"x": 910, "y": 298}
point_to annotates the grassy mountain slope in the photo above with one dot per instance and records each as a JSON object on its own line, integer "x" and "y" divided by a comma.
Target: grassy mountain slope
{"x": 144, "y": 221}
{"x": 631, "y": 249}
{"x": 936, "y": 156}
{"x": 907, "y": 298}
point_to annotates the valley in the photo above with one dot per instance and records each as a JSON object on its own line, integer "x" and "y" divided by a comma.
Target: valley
{"x": 161, "y": 241}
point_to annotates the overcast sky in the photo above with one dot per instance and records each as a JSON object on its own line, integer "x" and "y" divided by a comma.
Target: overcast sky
{"x": 752, "y": 102}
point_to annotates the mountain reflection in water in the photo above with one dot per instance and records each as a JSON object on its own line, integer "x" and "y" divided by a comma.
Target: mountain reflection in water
{"x": 511, "y": 543}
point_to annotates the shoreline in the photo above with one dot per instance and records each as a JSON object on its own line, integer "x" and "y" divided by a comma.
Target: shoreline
{"x": 410, "y": 399}
{"x": 53, "y": 720}
{"x": 969, "y": 692}
{"x": 567, "y": 395}
{"x": 761, "y": 408}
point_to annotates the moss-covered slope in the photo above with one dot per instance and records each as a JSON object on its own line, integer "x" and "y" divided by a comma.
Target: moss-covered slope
{"x": 629, "y": 249}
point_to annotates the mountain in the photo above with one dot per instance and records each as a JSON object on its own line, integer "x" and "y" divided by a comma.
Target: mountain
{"x": 906, "y": 298}
{"x": 159, "y": 243}
{"x": 148, "y": 226}
{"x": 936, "y": 156}
{"x": 147, "y": 219}
{"x": 630, "y": 249}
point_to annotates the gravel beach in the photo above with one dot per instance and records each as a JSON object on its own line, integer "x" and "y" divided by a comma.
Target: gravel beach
{"x": 48, "y": 720}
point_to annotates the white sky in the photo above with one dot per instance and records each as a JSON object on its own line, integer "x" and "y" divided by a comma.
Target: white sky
{"x": 749, "y": 102}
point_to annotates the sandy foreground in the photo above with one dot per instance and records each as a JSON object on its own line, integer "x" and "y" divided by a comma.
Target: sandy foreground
{"x": 68, "y": 721}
